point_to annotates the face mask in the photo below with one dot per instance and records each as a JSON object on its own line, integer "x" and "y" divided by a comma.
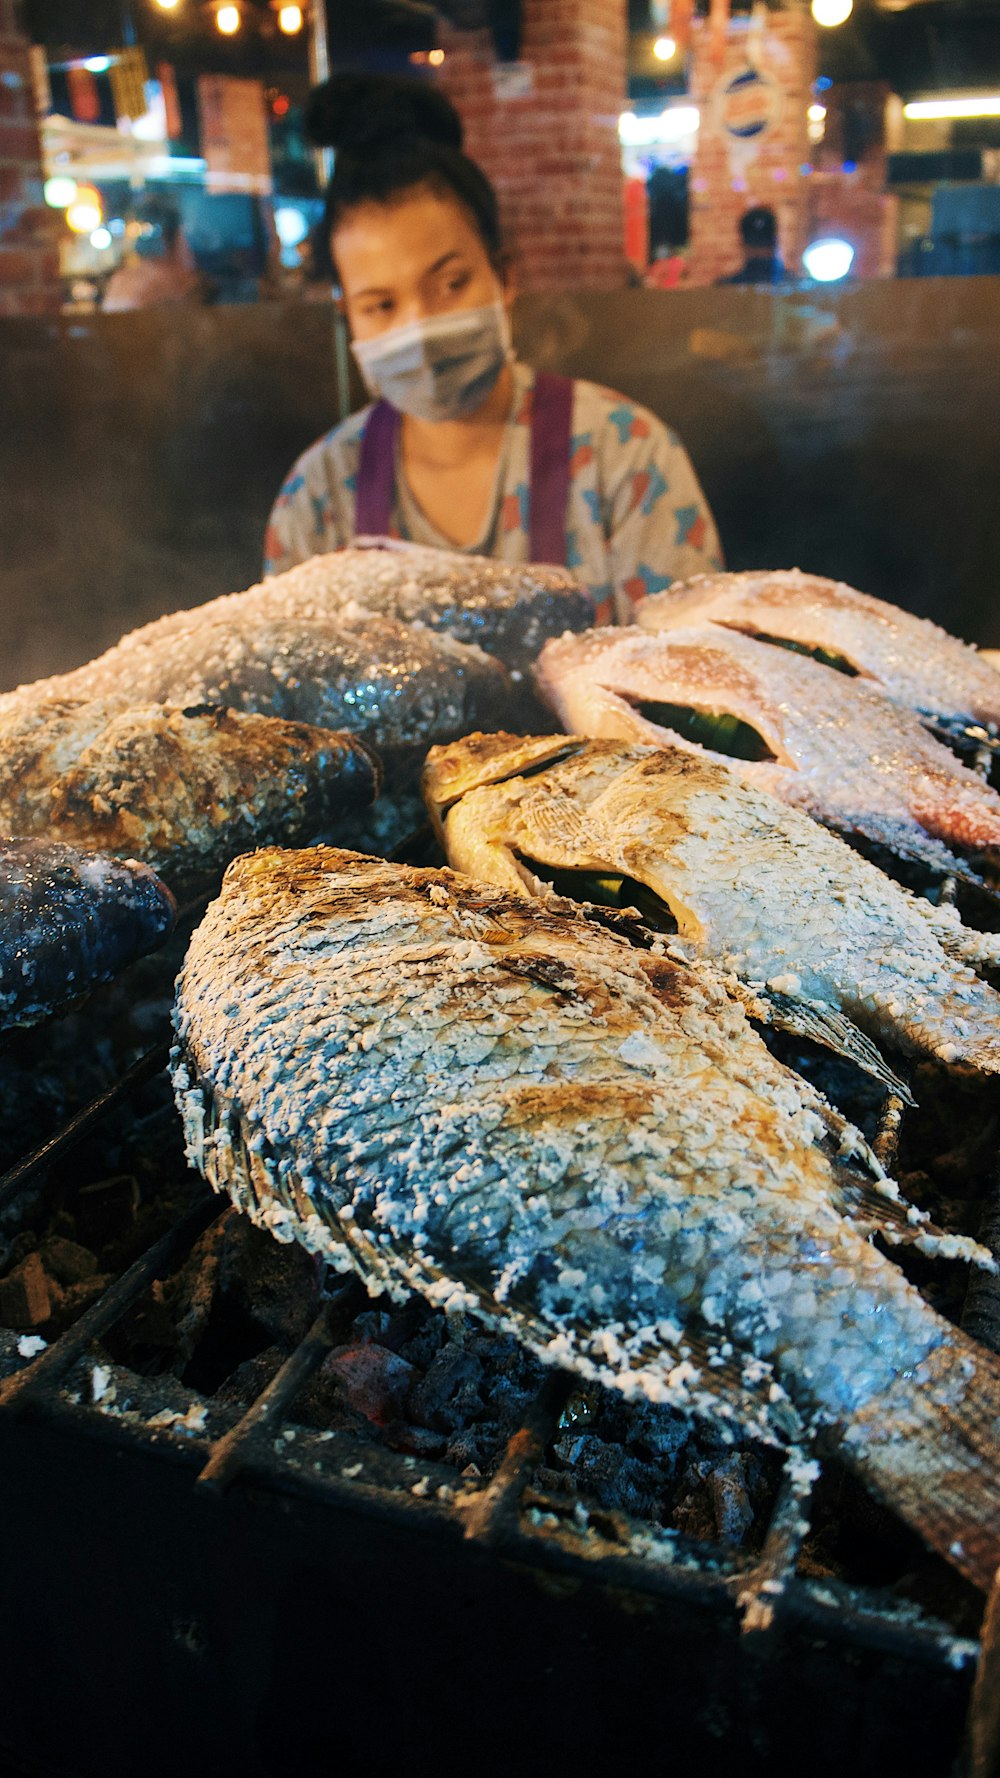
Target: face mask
{"x": 441, "y": 368}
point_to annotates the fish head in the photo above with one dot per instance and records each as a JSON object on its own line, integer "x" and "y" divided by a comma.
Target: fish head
{"x": 456, "y": 767}
{"x": 699, "y": 688}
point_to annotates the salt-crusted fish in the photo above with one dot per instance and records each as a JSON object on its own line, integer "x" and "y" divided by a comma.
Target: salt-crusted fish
{"x": 69, "y": 920}
{"x": 516, "y": 1112}
{"x": 401, "y": 644}
{"x": 399, "y": 687}
{"x": 508, "y": 608}
{"x": 827, "y": 744}
{"x": 748, "y": 883}
{"x": 913, "y": 661}
{"x": 184, "y": 790}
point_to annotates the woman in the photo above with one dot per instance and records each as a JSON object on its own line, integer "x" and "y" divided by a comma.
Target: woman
{"x": 464, "y": 447}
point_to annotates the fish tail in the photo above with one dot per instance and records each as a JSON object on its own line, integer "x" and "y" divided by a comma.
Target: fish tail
{"x": 929, "y": 1450}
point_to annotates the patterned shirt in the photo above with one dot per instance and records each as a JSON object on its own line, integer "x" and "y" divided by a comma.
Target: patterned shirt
{"x": 636, "y": 518}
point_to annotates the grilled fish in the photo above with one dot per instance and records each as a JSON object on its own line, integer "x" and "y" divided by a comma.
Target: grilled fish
{"x": 508, "y": 608}
{"x": 398, "y": 687}
{"x": 913, "y": 661}
{"x": 69, "y": 920}
{"x": 388, "y": 642}
{"x": 826, "y": 744}
{"x": 184, "y": 790}
{"x": 513, "y": 1111}
{"x": 746, "y": 882}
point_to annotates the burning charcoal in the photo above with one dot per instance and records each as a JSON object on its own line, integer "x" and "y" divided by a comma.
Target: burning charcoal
{"x": 728, "y": 1487}
{"x": 376, "y": 1382}
{"x": 67, "y": 1261}
{"x": 608, "y": 1473}
{"x": 26, "y": 1294}
{"x": 192, "y": 1292}
{"x": 581, "y": 1410}
{"x": 105, "y": 1208}
{"x": 276, "y": 1287}
{"x": 448, "y": 1396}
{"x": 77, "y": 1297}
{"x": 694, "y": 1513}
{"x": 12, "y": 1252}
{"x": 249, "y": 1379}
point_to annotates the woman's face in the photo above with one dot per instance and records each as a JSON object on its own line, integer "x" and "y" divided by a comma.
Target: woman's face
{"x": 405, "y": 261}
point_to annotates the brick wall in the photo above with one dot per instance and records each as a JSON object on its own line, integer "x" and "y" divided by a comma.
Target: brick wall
{"x": 546, "y": 133}
{"x": 729, "y": 177}
{"x": 29, "y": 260}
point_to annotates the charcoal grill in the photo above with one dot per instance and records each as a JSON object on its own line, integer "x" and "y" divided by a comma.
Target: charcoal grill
{"x": 192, "y": 1586}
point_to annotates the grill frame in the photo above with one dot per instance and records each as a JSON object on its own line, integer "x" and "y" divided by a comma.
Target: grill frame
{"x": 761, "y": 1662}
{"x": 783, "y": 1646}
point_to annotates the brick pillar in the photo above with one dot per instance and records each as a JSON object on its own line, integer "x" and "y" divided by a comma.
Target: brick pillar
{"x": 854, "y": 203}
{"x": 29, "y": 259}
{"x": 731, "y": 174}
{"x": 545, "y": 130}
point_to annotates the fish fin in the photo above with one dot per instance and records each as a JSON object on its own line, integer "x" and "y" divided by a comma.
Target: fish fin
{"x": 826, "y": 1026}
{"x": 927, "y": 1448}
{"x": 966, "y": 944}
{"x": 873, "y": 1206}
{"x": 962, "y": 733}
{"x": 698, "y": 1373}
{"x": 695, "y": 1372}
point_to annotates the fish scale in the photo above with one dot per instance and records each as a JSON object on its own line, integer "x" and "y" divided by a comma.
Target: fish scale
{"x": 593, "y": 1200}
{"x": 755, "y": 886}
{"x": 70, "y": 919}
{"x": 839, "y": 749}
{"x": 913, "y": 661}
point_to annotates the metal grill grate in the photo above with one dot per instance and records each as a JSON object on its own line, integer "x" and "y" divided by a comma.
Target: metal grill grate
{"x": 504, "y": 1517}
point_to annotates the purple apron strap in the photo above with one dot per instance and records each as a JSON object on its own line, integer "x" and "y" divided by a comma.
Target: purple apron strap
{"x": 375, "y": 495}
{"x": 551, "y": 425}
{"x": 551, "y": 430}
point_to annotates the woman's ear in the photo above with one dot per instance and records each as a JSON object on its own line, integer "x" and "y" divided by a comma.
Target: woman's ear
{"x": 507, "y": 274}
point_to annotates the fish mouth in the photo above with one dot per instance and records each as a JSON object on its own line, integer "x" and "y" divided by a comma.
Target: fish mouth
{"x": 604, "y": 889}
{"x": 718, "y": 731}
{"x": 525, "y": 757}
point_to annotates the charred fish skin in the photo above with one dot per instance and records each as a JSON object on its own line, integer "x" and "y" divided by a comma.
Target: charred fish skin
{"x": 396, "y": 687}
{"x": 512, "y": 1111}
{"x": 400, "y": 643}
{"x": 915, "y": 662}
{"x": 185, "y": 790}
{"x": 754, "y": 886}
{"x": 68, "y": 921}
{"x": 508, "y": 608}
{"x": 828, "y": 744}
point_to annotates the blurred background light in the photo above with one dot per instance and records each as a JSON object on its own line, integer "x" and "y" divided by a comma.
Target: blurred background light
{"x": 59, "y": 191}
{"x": 828, "y": 260}
{"x": 832, "y": 12}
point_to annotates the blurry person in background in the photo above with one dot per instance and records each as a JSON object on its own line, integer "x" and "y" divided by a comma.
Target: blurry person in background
{"x": 761, "y": 260}
{"x": 462, "y": 446}
{"x": 158, "y": 266}
{"x": 667, "y": 269}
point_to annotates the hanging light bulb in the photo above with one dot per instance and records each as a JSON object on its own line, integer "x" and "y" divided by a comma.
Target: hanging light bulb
{"x": 167, "y": 5}
{"x": 664, "y": 49}
{"x": 832, "y": 12}
{"x": 289, "y": 19}
{"x": 228, "y": 20}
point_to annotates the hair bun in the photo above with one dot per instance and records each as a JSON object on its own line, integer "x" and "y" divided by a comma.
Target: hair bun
{"x": 354, "y": 112}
